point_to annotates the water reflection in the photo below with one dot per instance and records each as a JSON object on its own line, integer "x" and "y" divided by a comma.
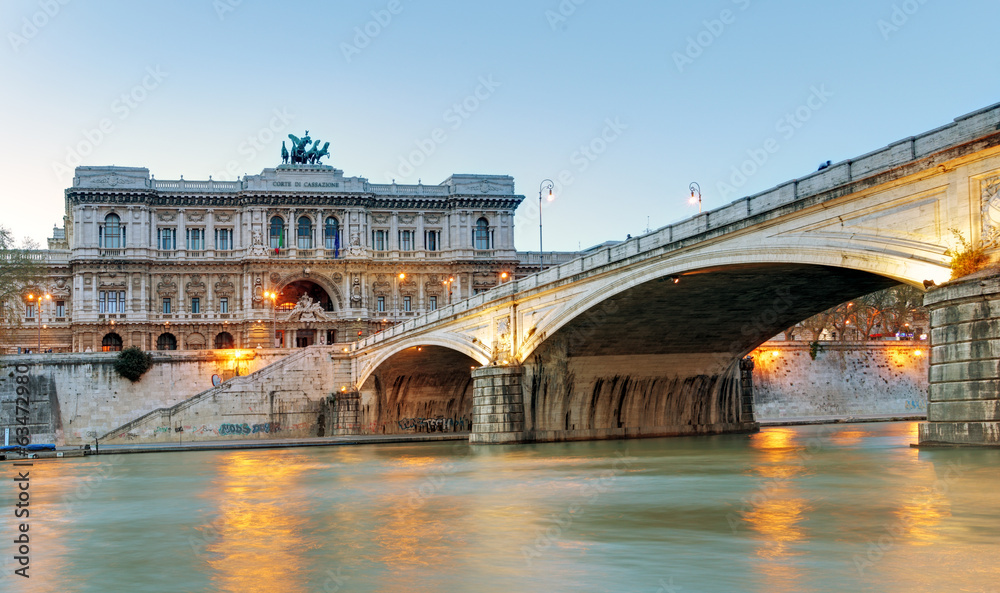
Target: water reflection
{"x": 777, "y": 508}
{"x": 257, "y": 542}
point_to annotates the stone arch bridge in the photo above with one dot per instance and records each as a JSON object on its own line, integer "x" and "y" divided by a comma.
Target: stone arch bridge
{"x": 645, "y": 338}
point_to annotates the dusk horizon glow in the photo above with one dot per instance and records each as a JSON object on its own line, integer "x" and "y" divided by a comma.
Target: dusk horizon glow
{"x": 621, "y": 105}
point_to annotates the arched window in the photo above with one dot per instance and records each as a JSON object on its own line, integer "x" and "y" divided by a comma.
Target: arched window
{"x": 111, "y": 343}
{"x": 277, "y": 232}
{"x": 112, "y": 232}
{"x": 305, "y": 233}
{"x": 331, "y": 233}
{"x": 481, "y": 235}
{"x": 166, "y": 342}
{"x": 224, "y": 341}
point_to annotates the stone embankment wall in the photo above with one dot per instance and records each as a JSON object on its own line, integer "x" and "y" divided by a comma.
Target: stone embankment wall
{"x": 845, "y": 379}
{"x": 78, "y": 397}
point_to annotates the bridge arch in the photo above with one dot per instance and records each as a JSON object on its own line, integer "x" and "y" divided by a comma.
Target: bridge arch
{"x": 422, "y": 386}
{"x": 894, "y": 268}
{"x": 451, "y": 341}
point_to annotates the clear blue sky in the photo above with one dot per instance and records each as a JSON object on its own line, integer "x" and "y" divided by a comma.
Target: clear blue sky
{"x": 688, "y": 87}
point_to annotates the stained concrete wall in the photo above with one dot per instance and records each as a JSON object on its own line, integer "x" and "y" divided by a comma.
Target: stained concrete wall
{"x": 845, "y": 379}
{"x": 425, "y": 389}
{"x": 598, "y": 397}
{"x": 77, "y": 397}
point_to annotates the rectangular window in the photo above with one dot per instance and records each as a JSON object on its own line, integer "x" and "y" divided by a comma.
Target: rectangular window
{"x": 166, "y": 239}
{"x": 380, "y": 239}
{"x": 224, "y": 305}
{"x": 60, "y": 308}
{"x": 166, "y": 306}
{"x": 102, "y": 303}
{"x": 432, "y": 240}
{"x": 407, "y": 304}
{"x": 196, "y": 305}
{"x": 331, "y": 336}
{"x": 406, "y": 240}
{"x": 121, "y": 301}
{"x": 29, "y": 310}
{"x": 223, "y": 239}
{"x": 432, "y": 303}
{"x": 196, "y": 239}
{"x": 381, "y": 304}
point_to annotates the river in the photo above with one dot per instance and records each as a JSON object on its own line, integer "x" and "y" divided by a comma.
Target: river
{"x": 848, "y": 507}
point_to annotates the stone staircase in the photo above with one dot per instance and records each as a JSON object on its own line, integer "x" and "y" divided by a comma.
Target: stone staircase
{"x": 263, "y": 404}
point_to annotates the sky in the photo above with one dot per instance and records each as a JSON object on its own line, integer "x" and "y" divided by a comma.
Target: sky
{"x": 622, "y": 104}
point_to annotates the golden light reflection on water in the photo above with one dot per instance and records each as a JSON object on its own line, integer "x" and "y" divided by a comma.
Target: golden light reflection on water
{"x": 256, "y": 543}
{"x": 776, "y": 509}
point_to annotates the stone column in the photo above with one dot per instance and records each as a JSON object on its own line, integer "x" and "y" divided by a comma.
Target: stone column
{"x": 497, "y": 405}
{"x": 964, "y": 388}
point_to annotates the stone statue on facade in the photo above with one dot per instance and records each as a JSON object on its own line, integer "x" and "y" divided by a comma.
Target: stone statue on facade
{"x": 284, "y": 153}
{"x": 257, "y": 248}
{"x": 355, "y": 248}
{"x": 307, "y": 310}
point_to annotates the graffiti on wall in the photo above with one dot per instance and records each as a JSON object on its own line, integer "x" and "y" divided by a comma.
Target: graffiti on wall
{"x": 245, "y": 429}
{"x": 439, "y": 424}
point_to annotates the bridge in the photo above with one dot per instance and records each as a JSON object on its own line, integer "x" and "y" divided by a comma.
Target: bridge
{"x": 646, "y": 337}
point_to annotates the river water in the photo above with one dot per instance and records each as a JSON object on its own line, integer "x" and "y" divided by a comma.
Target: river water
{"x": 817, "y": 508}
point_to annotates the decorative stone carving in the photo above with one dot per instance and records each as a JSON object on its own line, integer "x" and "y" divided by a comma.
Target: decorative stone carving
{"x": 355, "y": 248}
{"x": 307, "y": 310}
{"x": 257, "y": 248}
{"x": 408, "y": 287}
{"x": 432, "y": 218}
{"x": 258, "y": 292}
{"x": 223, "y": 216}
{"x": 275, "y": 278}
{"x": 356, "y": 291}
{"x": 381, "y": 285}
{"x": 224, "y": 288}
{"x": 338, "y": 278}
{"x": 166, "y": 286}
{"x": 990, "y": 206}
{"x": 195, "y": 216}
{"x": 166, "y": 215}
{"x": 407, "y": 218}
{"x": 503, "y": 341}
{"x": 381, "y": 218}
{"x": 195, "y": 287}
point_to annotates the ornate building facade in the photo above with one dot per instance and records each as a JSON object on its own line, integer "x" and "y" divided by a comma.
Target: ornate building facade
{"x": 294, "y": 256}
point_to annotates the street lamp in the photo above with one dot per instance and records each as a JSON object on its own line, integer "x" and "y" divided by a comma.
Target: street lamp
{"x": 545, "y": 184}
{"x": 39, "y": 299}
{"x": 448, "y": 284}
{"x": 274, "y": 315}
{"x": 695, "y": 194}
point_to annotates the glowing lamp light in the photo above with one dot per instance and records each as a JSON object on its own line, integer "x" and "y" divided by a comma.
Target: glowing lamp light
{"x": 402, "y": 275}
{"x": 775, "y": 354}
{"x": 918, "y": 352}
{"x": 550, "y": 196}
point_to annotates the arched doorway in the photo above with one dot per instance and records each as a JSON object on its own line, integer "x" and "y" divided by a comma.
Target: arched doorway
{"x": 111, "y": 343}
{"x": 291, "y": 294}
{"x": 224, "y": 341}
{"x": 166, "y": 341}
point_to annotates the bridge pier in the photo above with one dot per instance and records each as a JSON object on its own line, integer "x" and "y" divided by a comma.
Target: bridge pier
{"x": 497, "y": 405}
{"x": 964, "y": 383}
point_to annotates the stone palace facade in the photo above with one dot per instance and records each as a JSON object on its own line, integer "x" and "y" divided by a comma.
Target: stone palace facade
{"x": 194, "y": 264}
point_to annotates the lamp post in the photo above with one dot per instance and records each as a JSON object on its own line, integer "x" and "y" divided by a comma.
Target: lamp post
{"x": 545, "y": 184}
{"x": 448, "y": 284}
{"x": 39, "y": 299}
{"x": 395, "y": 297}
{"x": 695, "y": 194}
{"x": 274, "y": 315}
